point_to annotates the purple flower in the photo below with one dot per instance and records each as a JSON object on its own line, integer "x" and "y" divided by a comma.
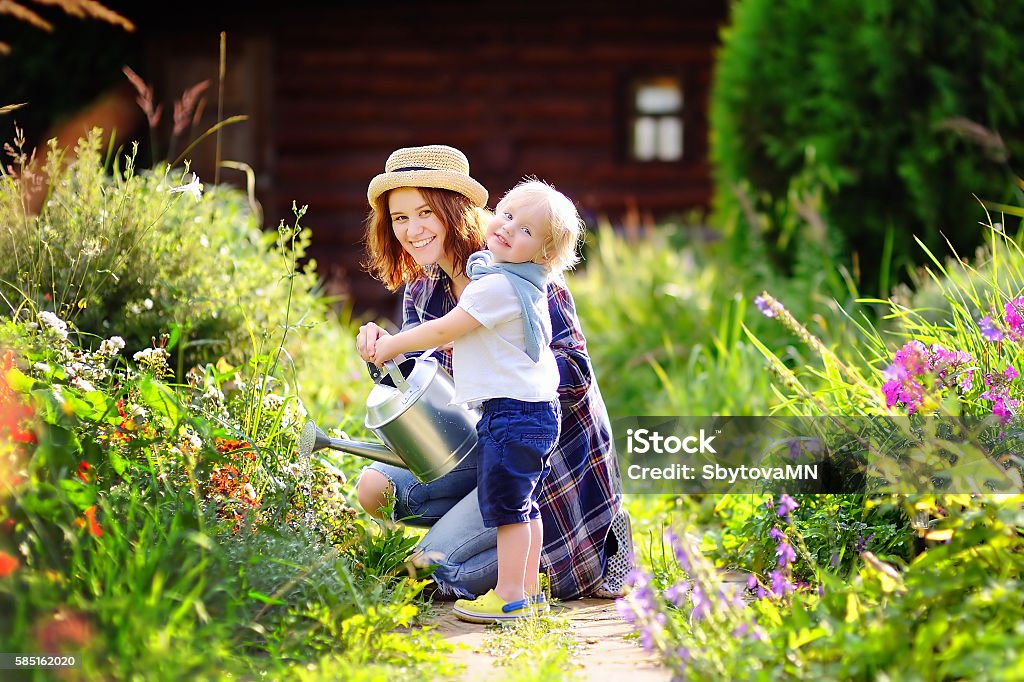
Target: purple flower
{"x": 913, "y": 358}
{"x": 1012, "y": 315}
{"x": 776, "y": 534}
{"x": 647, "y": 638}
{"x": 966, "y": 380}
{"x": 786, "y": 505}
{"x": 752, "y": 582}
{"x": 625, "y": 610}
{"x": 915, "y": 366}
{"x": 780, "y": 584}
{"x": 948, "y": 363}
{"x": 1010, "y": 372}
{"x": 762, "y": 304}
{"x": 891, "y": 391}
{"x": 988, "y": 329}
{"x": 785, "y": 553}
{"x": 862, "y": 543}
{"x": 701, "y": 604}
{"x": 676, "y": 594}
{"x": 1003, "y": 408}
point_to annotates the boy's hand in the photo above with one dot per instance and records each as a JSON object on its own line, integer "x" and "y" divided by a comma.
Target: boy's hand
{"x": 383, "y": 350}
{"x": 367, "y": 337}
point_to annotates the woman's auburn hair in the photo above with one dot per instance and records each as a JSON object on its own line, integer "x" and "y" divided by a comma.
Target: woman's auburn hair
{"x": 390, "y": 263}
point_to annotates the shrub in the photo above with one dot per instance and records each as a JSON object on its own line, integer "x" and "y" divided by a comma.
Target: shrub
{"x": 896, "y": 109}
{"x": 126, "y": 250}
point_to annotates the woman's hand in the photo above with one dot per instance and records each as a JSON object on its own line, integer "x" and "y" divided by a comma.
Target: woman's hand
{"x": 366, "y": 340}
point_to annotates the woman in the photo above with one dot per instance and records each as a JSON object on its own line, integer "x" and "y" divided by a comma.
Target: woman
{"x": 426, "y": 218}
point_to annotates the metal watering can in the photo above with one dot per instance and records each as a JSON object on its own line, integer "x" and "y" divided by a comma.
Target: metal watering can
{"x": 408, "y": 409}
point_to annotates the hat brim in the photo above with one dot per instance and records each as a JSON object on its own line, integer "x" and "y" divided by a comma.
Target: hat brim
{"x": 438, "y": 179}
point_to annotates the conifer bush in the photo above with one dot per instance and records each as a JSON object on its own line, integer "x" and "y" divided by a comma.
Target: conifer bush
{"x": 899, "y": 111}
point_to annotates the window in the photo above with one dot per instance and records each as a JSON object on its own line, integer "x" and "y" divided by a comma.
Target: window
{"x": 656, "y": 121}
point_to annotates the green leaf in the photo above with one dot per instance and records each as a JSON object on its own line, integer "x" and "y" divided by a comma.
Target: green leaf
{"x": 58, "y": 449}
{"x": 19, "y": 381}
{"x": 159, "y": 398}
{"x": 117, "y": 462}
{"x": 79, "y": 494}
{"x": 259, "y": 596}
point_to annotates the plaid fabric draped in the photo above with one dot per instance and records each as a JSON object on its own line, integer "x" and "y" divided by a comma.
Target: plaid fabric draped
{"x": 583, "y": 491}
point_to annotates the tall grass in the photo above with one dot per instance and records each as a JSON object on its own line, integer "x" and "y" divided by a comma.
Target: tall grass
{"x": 664, "y": 317}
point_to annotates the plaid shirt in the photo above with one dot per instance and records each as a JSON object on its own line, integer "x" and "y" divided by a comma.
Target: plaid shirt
{"x": 583, "y": 491}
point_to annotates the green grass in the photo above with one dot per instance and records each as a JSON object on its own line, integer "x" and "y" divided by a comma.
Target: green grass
{"x": 538, "y": 649}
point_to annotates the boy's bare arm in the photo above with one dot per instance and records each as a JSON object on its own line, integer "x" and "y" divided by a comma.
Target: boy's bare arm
{"x": 427, "y": 335}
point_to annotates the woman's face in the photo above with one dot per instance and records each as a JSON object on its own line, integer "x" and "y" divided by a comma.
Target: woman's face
{"x": 417, "y": 227}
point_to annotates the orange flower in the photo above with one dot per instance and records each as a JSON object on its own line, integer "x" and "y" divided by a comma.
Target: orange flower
{"x": 94, "y": 528}
{"x": 83, "y": 472}
{"x": 8, "y": 564}
{"x": 13, "y": 413}
{"x": 231, "y": 446}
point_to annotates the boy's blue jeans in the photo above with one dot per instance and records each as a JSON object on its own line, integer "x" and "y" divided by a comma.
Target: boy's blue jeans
{"x": 515, "y": 443}
{"x": 464, "y": 550}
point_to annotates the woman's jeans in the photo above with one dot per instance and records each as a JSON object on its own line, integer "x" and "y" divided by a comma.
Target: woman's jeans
{"x": 465, "y": 552}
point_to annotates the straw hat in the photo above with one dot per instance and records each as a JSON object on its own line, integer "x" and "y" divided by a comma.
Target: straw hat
{"x": 434, "y": 165}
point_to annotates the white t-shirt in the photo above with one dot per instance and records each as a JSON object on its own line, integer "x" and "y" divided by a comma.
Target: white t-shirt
{"x": 491, "y": 361}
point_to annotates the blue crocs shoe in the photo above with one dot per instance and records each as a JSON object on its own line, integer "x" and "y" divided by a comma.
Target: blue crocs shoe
{"x": 540, "y": 603}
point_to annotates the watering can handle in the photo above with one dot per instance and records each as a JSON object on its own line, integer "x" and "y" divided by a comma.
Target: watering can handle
{"x": 377, "y": 373}
{"x": 390, "y": 369}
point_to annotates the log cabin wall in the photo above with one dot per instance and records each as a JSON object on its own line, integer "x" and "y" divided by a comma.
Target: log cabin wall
{"x": 522, "y": 88}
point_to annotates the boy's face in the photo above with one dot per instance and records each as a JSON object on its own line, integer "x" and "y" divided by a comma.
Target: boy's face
{"x": 518, "y": 231}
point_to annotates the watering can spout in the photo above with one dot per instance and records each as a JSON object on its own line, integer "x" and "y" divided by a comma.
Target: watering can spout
{"x": 313, "y": 439}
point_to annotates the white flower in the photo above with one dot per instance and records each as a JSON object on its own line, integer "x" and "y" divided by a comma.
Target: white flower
{"x": 112, "y": 346}
{"x": 83, "y": 384}
{"x": 55, "y": 323}
{"x": 151, "y": 354}
{"x": 195, "y": 188}
{"x": 214, "y": 394}
{"x": 91, "y": 248}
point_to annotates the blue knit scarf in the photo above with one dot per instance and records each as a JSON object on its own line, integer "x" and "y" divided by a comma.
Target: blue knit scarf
{"x": 529, "y": 280}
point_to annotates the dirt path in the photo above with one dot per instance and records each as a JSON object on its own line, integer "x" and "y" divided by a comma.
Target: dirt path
{"x": 604, "y": 655}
